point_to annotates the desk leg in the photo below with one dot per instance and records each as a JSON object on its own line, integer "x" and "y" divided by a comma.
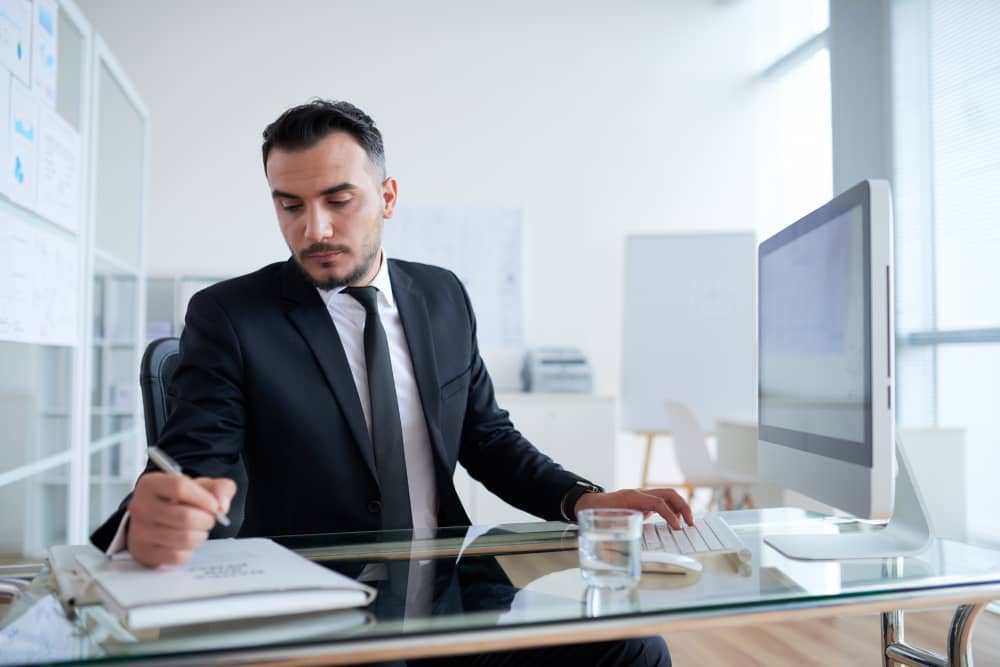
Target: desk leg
{"x": 892, "y": 634}
{"x": 895, "y": 651}
{"x": 960, "y": 634}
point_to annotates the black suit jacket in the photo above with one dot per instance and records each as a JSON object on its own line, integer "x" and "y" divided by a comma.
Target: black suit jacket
{"x": 263, "y": 377}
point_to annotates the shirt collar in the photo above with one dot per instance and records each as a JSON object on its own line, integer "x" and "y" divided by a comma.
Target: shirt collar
{"x": 381, "y": 282}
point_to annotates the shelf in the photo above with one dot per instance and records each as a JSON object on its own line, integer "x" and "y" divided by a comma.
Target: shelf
{"x": 115, "y": 344}
{"x": 111, "y": 412}
{"x": 92, "y": 480}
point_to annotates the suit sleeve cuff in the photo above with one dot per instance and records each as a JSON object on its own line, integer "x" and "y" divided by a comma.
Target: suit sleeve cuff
{"x": 118, "y": 542}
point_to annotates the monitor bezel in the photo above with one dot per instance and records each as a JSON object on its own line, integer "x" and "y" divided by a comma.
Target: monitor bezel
{"x": 806, "y": 441}
{"x": 864, "y": 491}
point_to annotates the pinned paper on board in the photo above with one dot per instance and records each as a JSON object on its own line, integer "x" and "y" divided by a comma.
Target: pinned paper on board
{"x": 483, "y": 247}
{"x": 5, "y": 84}
{"x": 15, "y": 38}
{"x": 36, "y": 264}
{"x": 58, "y": 171}
{"x": 45, "y": 50}
{"x": 22, "y": 166}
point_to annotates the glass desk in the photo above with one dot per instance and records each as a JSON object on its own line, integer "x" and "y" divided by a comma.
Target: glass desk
{"x": 517, "y": 586}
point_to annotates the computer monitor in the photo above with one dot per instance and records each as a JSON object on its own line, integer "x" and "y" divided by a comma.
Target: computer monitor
{"x": 825, "y": 376}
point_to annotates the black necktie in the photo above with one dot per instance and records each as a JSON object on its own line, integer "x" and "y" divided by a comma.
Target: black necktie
{"x": 386, "y": 431}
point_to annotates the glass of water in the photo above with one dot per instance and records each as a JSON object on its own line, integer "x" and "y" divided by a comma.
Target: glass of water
{"x": 609, "y": 547}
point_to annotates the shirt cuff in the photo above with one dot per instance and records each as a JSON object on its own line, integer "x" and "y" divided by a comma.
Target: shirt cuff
{"x": 118, "y": 542}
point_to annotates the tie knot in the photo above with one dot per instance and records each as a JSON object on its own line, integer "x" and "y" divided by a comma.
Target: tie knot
{"x": 367, "y": 296}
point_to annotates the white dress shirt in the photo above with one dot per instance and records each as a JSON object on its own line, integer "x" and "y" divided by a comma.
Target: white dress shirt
{"x": 348, "y": 317}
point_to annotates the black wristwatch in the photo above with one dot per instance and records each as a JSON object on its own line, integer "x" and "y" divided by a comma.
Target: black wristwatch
{"x": 569, "y": 500}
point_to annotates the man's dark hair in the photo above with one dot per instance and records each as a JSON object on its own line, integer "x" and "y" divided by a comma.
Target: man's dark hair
{"x": 308, "y": 124}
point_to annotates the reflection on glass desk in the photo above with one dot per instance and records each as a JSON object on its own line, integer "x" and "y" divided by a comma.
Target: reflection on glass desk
{"x": 511, "y": 586}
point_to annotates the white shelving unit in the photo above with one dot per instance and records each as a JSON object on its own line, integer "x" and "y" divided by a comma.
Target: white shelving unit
{"x": 68, "y": 446}
{"x": 113, "y": 456}
{"x": 114, "y": 400}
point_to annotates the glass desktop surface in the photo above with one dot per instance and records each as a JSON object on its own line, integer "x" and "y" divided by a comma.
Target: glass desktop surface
{"x": 504, "y": 577}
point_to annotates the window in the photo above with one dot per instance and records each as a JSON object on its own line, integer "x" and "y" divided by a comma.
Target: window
{"x": 946, "y": 138}
{"x": 796, "y": 170}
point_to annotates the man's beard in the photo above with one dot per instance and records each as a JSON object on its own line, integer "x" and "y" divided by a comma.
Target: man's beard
{"x": 359, "y": 272}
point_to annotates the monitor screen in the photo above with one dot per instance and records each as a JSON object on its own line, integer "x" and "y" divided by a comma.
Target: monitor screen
{"x": 815, "y": 337}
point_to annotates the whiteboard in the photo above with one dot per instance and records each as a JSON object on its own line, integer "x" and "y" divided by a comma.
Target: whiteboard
{"x": 690, "y": 328}
{"x": 483, "y": 247}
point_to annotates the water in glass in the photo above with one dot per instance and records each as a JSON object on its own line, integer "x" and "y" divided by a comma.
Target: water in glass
{"x": 609, "y": 547}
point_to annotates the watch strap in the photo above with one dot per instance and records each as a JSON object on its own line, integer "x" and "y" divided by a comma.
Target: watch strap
{"x": 579, "y": 488}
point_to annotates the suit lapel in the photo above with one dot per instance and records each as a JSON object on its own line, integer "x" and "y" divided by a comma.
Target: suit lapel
{"x": 419, "y": 339}
{"x": 308, "y": 314}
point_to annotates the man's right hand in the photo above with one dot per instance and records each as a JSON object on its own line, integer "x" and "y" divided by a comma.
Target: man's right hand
{"x": 170, "y": 516}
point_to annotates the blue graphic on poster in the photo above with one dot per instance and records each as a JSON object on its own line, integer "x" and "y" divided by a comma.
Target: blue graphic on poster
{"x": 23, "y": 129}
{"x": 15, "y": 36}
{"x": 45, "y": 37}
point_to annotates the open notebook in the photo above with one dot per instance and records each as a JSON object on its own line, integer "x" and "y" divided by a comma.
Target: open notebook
{"x": 224, "y": 580}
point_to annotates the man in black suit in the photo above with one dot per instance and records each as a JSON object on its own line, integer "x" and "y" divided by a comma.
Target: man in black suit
{"x": 348, "y": 384}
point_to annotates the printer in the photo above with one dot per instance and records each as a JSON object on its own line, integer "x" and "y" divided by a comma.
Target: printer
{"x": 556, "y": 370}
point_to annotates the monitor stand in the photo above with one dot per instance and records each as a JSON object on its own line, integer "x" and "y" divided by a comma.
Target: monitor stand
{"x": 908, "y": 532}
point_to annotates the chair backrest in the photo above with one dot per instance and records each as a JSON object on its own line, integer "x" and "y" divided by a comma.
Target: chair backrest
{"x": 690, "y": 445}
{"x": 155, "y": 372}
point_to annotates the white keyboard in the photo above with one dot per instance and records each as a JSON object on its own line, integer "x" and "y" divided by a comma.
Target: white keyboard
{"x": 708, "y": 535}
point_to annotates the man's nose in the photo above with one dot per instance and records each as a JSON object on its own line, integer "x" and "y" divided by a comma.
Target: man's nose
{"x": 318, "y": 225}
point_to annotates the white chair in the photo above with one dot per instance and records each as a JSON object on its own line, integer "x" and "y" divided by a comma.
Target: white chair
{"x": 697, "y": 466}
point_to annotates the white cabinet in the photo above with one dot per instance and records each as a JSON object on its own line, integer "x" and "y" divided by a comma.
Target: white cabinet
{"x": 576, "y": 430}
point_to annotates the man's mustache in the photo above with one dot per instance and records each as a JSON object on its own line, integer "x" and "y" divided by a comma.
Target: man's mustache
{"x": 323, "y": 248}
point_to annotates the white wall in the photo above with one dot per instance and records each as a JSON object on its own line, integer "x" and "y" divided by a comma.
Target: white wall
{"x": 597, "y": 119}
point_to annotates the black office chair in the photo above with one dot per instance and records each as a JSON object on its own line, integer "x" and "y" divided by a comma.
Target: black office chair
{"x": 156, "y": 370}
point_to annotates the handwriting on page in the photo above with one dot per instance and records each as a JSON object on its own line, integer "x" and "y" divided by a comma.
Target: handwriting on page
{"x": 223, "y": 570}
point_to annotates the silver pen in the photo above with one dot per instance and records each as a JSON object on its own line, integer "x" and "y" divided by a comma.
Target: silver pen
{"x": 169, "y": 466}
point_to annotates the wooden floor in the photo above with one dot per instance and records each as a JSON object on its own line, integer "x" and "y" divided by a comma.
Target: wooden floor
{"x": 835, "y": 642}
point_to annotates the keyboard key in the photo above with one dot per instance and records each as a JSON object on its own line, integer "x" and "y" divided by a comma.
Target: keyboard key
{"x": 667, "y": 539}
{"x": 683, "y": 543}
{"x": 697, "y": 541}
{"x": 709, "y": 535}
{"x": 730, "y": 542}
{"x": 650, "y": 539}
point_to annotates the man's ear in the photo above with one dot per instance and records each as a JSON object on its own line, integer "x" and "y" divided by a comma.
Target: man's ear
{"x": 390, "y": 192}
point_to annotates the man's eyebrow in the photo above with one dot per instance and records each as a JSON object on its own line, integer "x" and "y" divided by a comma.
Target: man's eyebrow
{"x": 280, "y": 194}
{"x": 338, "y": 188}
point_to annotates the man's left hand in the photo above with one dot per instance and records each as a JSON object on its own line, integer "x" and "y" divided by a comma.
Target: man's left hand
{"x": 666, "y": 502}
